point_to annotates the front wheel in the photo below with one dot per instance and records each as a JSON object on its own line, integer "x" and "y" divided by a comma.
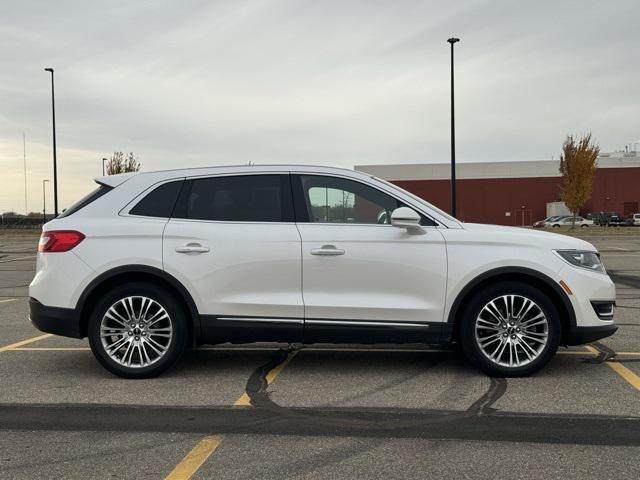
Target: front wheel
{"x": 137, "y": 330}
{"x": 510, "y": 329}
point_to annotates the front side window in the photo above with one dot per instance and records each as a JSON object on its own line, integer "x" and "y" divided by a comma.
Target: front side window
{"x": 240, "y": 198}
{"x": 340, "y": 200}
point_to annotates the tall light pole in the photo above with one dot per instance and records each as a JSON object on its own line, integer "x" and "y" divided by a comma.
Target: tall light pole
{"x": 55, "y": 164}
{"x": 104, "y": 160}
{"x": 453, "y": 136}
{"x": 24, "y": 160}
{"x": 44, "y": 202}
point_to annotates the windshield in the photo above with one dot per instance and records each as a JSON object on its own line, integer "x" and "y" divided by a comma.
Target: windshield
{"x": 418, "y": 199}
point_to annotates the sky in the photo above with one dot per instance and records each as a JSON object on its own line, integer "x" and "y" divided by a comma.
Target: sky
{"x": 331, "y": 82}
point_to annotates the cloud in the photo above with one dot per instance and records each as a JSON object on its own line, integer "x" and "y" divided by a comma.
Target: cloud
{"x": 294, "y": 81}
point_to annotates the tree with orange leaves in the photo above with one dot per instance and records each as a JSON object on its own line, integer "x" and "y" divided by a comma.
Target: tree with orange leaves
{"x": 578, "y": 164}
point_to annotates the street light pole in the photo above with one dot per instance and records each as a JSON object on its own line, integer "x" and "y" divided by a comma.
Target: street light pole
{"x": 453, "y": 136}
{"x": 55, "y": 165}
{"x": 44, "y": 202}
{"x": 103, "y": 160}
{"x": 24, "y": 160}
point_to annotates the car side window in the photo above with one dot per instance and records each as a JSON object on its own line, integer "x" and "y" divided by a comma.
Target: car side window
{"x": 238, "y": 198}
{"x": 159, "y": 202}
{"x": 325, "y": 199}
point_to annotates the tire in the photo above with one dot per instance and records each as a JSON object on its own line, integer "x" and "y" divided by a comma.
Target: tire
{"x": 480, "y": 331}
{"x": 584, "y": 226}
{"x": 556, "y": 226}
{"x": 143, "y": 349}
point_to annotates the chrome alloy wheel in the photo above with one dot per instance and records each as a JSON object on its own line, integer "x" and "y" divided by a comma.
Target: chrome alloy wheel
{"x": 511, "y": 330}
{"x": 136, "y": 331}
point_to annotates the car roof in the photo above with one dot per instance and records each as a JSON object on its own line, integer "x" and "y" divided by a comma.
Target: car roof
{"x": 115, "y": 180}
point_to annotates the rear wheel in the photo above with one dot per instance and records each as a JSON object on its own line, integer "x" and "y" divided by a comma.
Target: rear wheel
{"x": 510, "y": 329}
{"x": 137, "y": 330}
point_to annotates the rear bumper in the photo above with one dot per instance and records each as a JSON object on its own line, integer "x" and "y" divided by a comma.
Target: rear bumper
{"x": 56, "y": 320}
{"x": 582, "y": 335}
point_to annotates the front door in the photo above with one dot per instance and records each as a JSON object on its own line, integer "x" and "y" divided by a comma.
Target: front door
{"x": 363, "y": 279}
{"x": 233, "y": 242}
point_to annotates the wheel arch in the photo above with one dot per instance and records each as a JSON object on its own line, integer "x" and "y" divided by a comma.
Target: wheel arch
{"x": 132, "y": 273}
{"x": 519, "y": 274}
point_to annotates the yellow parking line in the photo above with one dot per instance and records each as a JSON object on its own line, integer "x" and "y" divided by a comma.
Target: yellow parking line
{"x": 572, "y": 352}
{"x": 203, "y": 450}
{"x": 195, "y": 458}
{"x": 245, "y": 401}
{"x": 19, "y": 258}
{"x": 24, "y": 342}
{"x": 50, "y": 349}
{"x": 621, "y": 370}
{"x": 8, "y": 300}
{"x": 258, "y": 349}
{"x": 625, "y": 373}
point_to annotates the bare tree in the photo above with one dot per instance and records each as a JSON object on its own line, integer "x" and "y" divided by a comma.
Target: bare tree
{"x": 578, "y": 164}
{"x": 119, "y": 163}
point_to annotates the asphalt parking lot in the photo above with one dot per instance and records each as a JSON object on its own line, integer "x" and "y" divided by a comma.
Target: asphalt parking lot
{"x": 286, "y": 411}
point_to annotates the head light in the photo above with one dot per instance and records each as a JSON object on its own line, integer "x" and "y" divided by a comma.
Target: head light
{"x": 583, "y": 259}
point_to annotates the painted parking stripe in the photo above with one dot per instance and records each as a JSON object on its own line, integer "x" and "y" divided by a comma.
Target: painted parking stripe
{"x": 620, "y": 369}
{"x": 16, "y": 259}
{"x": 24, "y": 342}
{"x": 625, "y": 373}
{"x": 8, "y": 300}
{"x": 245, "y": 401}
{"x": 195, "y": 458}
{"x": 203, "y": 450}
{"x": 311, "y": 349}
{"x": 51, "y": 349}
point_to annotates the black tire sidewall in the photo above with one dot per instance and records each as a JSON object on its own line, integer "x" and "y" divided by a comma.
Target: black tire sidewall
{"x": 168, "y": 302}
{"x": 473, "y": 308}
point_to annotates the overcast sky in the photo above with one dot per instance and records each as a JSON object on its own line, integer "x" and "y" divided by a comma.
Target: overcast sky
{"x": 190, "y": 83}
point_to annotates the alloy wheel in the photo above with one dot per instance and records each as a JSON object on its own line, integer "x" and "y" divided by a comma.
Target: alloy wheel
{"x": 136, "y": 331}
{"x": 511, "y": 330}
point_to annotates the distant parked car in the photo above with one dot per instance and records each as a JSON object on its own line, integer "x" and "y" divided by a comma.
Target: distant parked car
{"x": 633, "y": 220}
{"x": 568, "y": 221}
{"x": 543, "y": 223}
{"x": 616, "y": 220}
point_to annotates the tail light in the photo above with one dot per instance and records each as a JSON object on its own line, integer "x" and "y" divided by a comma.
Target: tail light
{"x": 59, "y": 240}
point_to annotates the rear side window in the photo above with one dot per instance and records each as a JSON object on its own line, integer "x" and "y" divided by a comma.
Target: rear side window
{"x": 86, "y": 200}
{"x": 159, "y": 202}
{"x": 240, "y": 198}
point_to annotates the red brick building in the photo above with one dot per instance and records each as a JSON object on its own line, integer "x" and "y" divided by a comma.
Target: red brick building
{"x": 515, "y": 193}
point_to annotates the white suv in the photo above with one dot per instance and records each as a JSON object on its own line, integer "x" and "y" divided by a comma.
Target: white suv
{"x": 150, "y": 263}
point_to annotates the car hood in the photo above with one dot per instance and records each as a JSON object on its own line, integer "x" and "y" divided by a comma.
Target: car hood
{"x": 526, "y": 236}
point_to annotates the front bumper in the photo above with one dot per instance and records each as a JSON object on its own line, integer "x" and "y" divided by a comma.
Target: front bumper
{"x": 56, "y": 320}
{"x": 582, "y": 335}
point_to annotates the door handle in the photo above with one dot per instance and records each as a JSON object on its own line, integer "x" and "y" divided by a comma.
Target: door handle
{"x": 192, "y": 248}
{"x": 327, "y": 251}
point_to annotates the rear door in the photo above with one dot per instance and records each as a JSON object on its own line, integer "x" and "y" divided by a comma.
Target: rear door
{"x": 363, "y": 279}
{"x": 233, "y": 242}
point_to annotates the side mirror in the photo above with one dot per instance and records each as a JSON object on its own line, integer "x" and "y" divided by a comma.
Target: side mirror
{"x": 404, "y": 217}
